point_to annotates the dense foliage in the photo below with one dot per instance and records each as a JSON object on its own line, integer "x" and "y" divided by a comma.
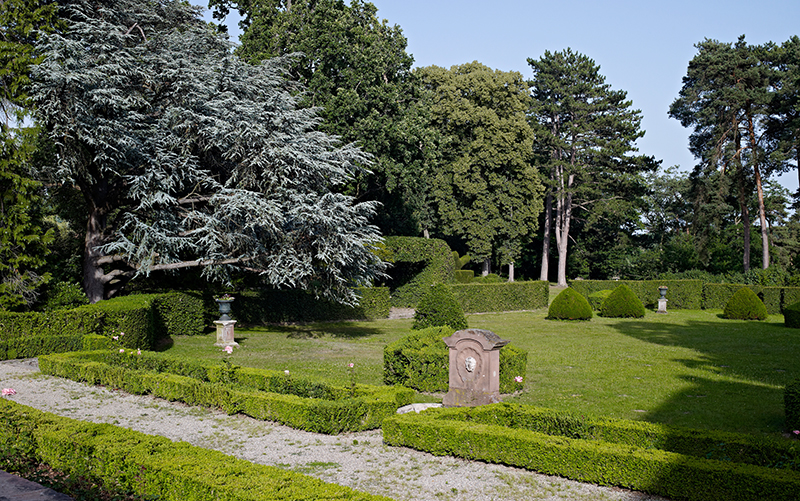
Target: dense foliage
{"x": 622, "y": 303}
{"x": 188, "y": 157}
{"x": 569, "y": 305}
{"x": 438, "y": 307}
{"x": 745, "y": 305}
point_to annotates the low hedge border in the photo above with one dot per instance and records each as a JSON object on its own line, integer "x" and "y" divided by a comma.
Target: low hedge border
{"x": 261, "y": 394}
{"x": 504, "y": 296}
{"x": 152, "y": 466}
{"x": 626, "y": 454}
{"x": 421, "y": 361}
{"x": 143, "y": 318}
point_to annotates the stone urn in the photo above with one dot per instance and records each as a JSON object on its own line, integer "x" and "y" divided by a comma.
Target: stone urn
{"x": 663, "y": 291}
{"x": 224, "y": 304}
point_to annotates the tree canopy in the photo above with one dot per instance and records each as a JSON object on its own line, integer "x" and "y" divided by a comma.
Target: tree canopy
{"x": 586, "y": 135}
{"x": 486, "y": 190}
{"x": 187, "y": 156}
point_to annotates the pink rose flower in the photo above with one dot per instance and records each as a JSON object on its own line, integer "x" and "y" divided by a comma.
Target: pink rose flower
{"x": 122, "y": 350}
{"x": 228, "y": 349}
{"x": 518, "y": 379}
{"x": 7, "y": 392}
{"x": 351, "y": 365}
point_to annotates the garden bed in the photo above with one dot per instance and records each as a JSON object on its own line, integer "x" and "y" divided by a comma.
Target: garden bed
{"x": 268, "y": 395}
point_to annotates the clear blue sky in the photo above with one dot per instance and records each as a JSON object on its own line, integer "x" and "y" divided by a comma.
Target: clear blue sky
{"x": 642, "y": 47}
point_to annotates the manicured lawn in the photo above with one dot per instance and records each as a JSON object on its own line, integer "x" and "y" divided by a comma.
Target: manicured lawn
{"x": 687, "y": 368}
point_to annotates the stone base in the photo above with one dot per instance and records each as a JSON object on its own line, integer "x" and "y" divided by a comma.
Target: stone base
{"x": 225, "y": 333}
{"x": 662, "y": 305}
{"x": 460, "y": 397}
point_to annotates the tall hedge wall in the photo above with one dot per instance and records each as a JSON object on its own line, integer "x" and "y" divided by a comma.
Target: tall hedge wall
{"x": 417, "y": 263}
{"x": 279, "y": 306}
{"x": 504, "y": 296}
{"x": 681, "y": 294}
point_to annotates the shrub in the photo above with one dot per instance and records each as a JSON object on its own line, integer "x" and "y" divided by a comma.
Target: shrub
{"x": 65, "y": 295}
{"x": 491, "y": 278}
{"x": 745, "y": 305}
{"x": 791, "y": 405}
{"x": 417, "y": 264}
{"x": 791, "y": 315}
{"x": 464, "y": 276}
{"x": 421, "y": 361}
{"x": 596, "y": 298}
{"x": 439, "y": 307}
{"x": 622, "y": 303}
{"x": 569, "y": 305}
{"x": 505, "y": 296}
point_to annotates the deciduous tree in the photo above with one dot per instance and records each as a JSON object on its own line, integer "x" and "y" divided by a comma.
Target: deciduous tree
{"x": 487, "y": 192}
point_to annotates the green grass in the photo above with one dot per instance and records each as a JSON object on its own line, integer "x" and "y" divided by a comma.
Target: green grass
{"x": 686, "y": 368}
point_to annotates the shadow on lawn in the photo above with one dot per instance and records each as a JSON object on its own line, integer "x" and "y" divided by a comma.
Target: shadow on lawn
{"x": 346, "y": 330}
{"x": 737, "y": 378}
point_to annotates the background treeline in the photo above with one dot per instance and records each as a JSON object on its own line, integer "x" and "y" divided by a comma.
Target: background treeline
{"x": 533, "y": 176}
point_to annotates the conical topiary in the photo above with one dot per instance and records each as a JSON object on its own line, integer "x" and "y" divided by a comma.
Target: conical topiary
{"x": 622, "y": 303}
{"x": 745, "y": 305}
{"x": 569, "y": 305}
{"x": 439, "y": 307}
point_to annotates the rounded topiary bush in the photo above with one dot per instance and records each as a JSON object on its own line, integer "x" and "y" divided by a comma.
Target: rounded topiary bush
{"x": 622, "y": 303}
{"x": 439, "y": 307}
{"x": 745, "y": 305}
{"x": 596, "y": 298}
{"x": 791, "y": 315}
{"x": 569, "y": 305}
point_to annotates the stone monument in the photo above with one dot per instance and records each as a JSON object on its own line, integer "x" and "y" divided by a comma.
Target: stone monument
{"x": 474, "y": 368}
{"x": 662, "y": 300}
{"x": 225, "y": 324}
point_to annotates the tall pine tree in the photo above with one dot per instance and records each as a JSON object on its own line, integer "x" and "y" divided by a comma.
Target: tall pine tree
{"x": 585, "y": 139}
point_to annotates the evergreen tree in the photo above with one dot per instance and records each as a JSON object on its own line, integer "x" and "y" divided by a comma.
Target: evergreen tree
{"x": 487, "y": 193}
{"x": 725, "y": 97}
{"x": 188, "y": 157}
{"x": 585, "y": 137}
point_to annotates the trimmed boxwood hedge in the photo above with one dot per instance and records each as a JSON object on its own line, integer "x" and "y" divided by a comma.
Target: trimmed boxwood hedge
{"x": 151, "y": 466}
{"x": 596, "y": 298}
{"x": 504, "y": 296}
{"x": 680, "y": 464}
{"x": 273, "y": 306}
{"x": 791, "y": 405}
{"x": 439, "y": 307}
{"x": 622, "y": 303}
{"x": 261, "y": 394}
{"x": 417, "y": 263}
{"x": 569, "y": 305}
{"x": 143, "y": 318}
{"x": 791, "y": 315}
{"x": 745, "y": 305}
{"x": 682, "y": 294}
{"x": 421, "y": 361}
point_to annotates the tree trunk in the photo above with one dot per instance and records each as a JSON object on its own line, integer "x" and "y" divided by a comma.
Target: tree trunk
{"x": 544, "y": 274}
{"x": 762, "y": 213}
{"x": 563, "y": 218}
{"x": 487, "y": 266}
{"x": 93, "y": 275}
{"x": 510, "y": 272}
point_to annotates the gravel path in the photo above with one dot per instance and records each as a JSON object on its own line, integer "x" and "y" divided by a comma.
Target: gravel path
{"x": 358, "y": 460}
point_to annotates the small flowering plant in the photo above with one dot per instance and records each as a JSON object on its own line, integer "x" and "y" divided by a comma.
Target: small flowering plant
{"x": 224, "y": 297}
{"x": 518, "y": 379}
{"x": 351, "y": 369}
{"x": 8, "y": 392}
